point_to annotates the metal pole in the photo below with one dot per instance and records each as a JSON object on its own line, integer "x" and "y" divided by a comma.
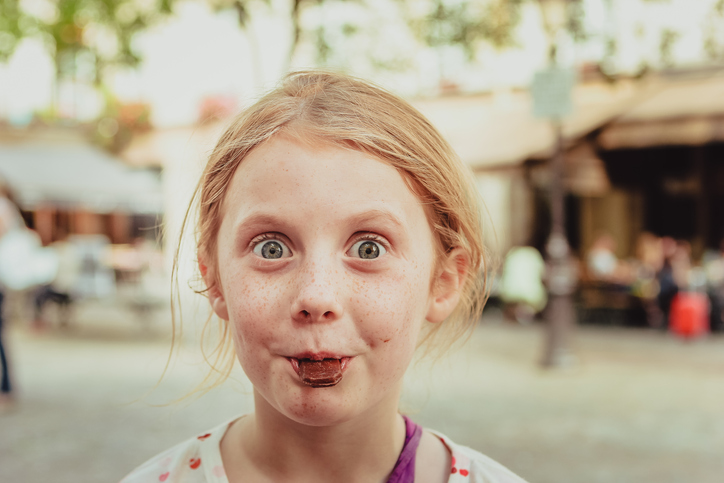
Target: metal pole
{"x": 561, "y": 276}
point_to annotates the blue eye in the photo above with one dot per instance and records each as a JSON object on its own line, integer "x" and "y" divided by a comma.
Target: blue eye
{"x": 272, "y": 249}
{"x": 367, "y": 249}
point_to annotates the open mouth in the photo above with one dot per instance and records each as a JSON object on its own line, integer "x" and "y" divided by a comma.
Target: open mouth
{"x": 319, "y": 372}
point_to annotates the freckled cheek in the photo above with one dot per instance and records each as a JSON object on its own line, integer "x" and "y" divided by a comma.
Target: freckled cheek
{"x": 254, "y": 308}
{"x": 389, "y": 312}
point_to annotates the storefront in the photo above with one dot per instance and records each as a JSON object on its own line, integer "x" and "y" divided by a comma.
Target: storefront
{"x": 664, "y": 160}
{"x": 66, "y": 186}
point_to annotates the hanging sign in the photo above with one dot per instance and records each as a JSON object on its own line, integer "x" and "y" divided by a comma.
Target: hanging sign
{"x": 551, "y": 91}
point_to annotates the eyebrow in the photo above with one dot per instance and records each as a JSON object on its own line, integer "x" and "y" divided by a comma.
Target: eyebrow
{"x": 257, "y": 220}
{"x": 374, "y": 215}
{"x": 362, "y": 218}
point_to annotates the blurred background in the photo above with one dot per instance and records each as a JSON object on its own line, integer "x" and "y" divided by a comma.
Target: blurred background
{"x": 595, "y": 129}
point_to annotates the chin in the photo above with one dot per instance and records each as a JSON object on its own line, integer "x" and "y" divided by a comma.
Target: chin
{"x": 318, "y": 407}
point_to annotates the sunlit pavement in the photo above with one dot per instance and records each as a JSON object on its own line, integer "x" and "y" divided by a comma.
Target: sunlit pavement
{"x": 640, "y": 406}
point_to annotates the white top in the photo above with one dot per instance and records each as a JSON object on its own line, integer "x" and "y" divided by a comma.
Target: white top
{"x": 198, "y": 460}
{"x": 522, "y": 278}
{"x": 10, "y": 218}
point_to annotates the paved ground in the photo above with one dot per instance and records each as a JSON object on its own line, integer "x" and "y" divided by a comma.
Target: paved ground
{"x": 640, "y": 407}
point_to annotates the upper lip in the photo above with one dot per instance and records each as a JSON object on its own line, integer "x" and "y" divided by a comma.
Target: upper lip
{"x": 318, "y": 356}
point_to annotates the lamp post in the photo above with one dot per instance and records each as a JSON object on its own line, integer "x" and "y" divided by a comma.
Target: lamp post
{"x": 561, "y": 270}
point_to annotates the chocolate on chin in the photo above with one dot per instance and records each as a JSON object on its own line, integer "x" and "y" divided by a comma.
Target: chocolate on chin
{"x": 320, "y": 373}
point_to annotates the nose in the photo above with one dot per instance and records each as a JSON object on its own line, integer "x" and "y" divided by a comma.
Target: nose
{"x": 317, "y": 297}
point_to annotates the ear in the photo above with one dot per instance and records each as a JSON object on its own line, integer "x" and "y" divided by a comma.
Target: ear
{"x": 216, "y": 297}
{"x": 447, "y": 286}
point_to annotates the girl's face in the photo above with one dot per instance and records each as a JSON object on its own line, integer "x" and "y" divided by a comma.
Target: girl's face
{"x": 324, "y": 253}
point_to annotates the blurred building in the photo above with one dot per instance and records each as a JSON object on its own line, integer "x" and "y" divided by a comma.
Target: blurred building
{"x": 641, "y": 155}
{"x": 497, "y": 135}
{"x": 66, "y": 186}
{"x": 665, "y": 160}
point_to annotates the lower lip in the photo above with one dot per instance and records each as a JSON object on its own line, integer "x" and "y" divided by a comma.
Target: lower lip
{"x": 344, "y": 362}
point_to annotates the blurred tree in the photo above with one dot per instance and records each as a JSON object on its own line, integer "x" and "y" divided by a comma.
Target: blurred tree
{"x": 244, "y": 8}
{"x": 119, "y": 122}
{"x": 437, "y": 23}
{"x": 97, "y": 32}
{"x": 365, "y": 39}
{"x": 11, "y": 28}
{"x": 666, "y": 44}
{"x": 714, "y": 33}
{"x": 467, "y": 23}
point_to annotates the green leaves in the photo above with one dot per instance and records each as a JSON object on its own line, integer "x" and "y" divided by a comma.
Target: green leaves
{"x": 104, "y": 29}
{"x": 468, "y": 23}
{"x": 10, "y": 27}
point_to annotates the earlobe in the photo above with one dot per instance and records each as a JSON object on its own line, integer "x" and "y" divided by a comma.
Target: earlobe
{"x": 216, "y": 297}
{"x": 448, "y": 286}
{"x": 218, "y": 303}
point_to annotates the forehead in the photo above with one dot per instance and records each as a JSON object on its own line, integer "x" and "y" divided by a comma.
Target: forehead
{"x": 309, "y": 179}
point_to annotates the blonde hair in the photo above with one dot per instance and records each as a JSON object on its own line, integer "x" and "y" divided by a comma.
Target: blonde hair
{"x": 347, "y": 112}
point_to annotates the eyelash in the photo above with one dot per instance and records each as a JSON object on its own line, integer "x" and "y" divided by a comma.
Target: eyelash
{"x": 363, "y": 236}
{"x": 374, "y": 238}
{"x": 265, "y": 236}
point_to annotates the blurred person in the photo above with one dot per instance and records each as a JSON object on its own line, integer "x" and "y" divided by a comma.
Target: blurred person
{"x": 668, "y": 277}
{"x": 714, "y": 268}
{"x": 149, "y": 283}
{"x": 645, "y": 286}
{"x": 521, "y": 284}
{"x": 153, "y": 274}
{"x": 23, "y": 264}
{"x": 649, "y": 253}
{"x": 95, "y": 276}
{"x": 10, "y": 220}
{"x": 682, "y": 265}
{"x": 43, "y": 295}
{"x": 61, "y": 290}
{"x": 601, "y": 261}
{"x": 603, "y": 265}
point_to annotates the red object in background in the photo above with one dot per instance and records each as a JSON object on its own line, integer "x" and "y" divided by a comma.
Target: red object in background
{"x": 689, "y": 314}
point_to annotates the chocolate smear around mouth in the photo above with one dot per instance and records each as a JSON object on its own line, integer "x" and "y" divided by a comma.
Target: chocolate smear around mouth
{"x": 325, "y": 373}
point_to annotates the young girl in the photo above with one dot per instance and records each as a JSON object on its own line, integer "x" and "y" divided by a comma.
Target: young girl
{"x": 337, "y": 233}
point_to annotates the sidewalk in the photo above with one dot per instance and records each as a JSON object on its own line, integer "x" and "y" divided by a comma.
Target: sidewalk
{"x": 640, "y": 407}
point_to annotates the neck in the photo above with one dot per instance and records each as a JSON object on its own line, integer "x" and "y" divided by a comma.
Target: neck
{"x": 362, "y": 449}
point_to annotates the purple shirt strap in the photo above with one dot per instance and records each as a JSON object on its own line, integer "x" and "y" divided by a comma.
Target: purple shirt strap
{"x": 404, "y": 470}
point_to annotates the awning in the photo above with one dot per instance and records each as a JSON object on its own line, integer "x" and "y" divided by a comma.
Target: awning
{"x": 499, "y": 130}
{"x": 487, "y": 131}
{"x": 72, "y": 175}
{"x": 683, "y": 111}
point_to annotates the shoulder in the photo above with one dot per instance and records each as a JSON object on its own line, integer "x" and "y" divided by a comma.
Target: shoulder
{"x": 196, "y": 460}
{"x": 470, "y": 466}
